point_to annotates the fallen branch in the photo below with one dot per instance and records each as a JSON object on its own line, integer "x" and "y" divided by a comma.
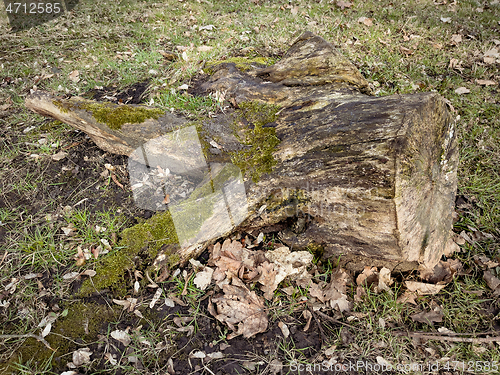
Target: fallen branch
{"x": 28, "y": 335}
{"x": 441, "y": 337}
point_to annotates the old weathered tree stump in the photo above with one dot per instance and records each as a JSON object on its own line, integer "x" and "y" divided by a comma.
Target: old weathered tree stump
{"x": 371, "y": 180}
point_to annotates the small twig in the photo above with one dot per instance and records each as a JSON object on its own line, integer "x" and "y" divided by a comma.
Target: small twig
{"x": 186, "y": 281}
{"x": 425, "y": 336}
{"x": 28, "y": 335}
{"x": 3, "y": 258}
{"x": 115, "y": 180}
{"x": 72, "y": 145}
{"x": 323, "y": 315}
{"x": 323, "y": 336}
{"x": 206, "y": 368}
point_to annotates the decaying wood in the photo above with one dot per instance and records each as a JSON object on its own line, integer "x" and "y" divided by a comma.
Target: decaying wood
{"x": 371, "y": 180}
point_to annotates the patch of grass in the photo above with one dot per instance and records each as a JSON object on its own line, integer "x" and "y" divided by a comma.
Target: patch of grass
{"x": 192, "y": 293}
{"x": 92, "y": 227}
{"x": 42, "y": 249}
{"x": 184, "y": 102}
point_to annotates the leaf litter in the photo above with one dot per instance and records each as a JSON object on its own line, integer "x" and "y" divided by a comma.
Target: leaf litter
{"x": 235, "y": 270}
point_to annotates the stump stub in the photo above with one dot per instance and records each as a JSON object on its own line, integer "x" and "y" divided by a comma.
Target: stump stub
{"x": 371, "y": 180}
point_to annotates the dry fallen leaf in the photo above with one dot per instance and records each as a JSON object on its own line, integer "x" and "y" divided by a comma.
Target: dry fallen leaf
{"x": 124, "y": 303}
{"x": 70, "y": 275}
{"x": 446, "y": 331}
{"x": 294, "y": 10}
{"x": 170, "y": 366}
{"x": 368, "y": 276}
{"x": 156, "y": 297}
{"x": 407, "y": 297}
{"x": 198, "y": 354}
{"x": 492, "y": 281}
{"x": 456, "y": 38}
{"x": 170, "y": 56}
{"x": 89, "y": 273}
{"x": 484, "y": 261}
{"x": 69, "y": 230}
{"x": 204, "y": 48}
{"x": 462, "y": 90}
{"x": 343, "y": 4}
{"x": 307, "y": 314}
{"x": 284, "y": 329}
{"x": 384, "y": 280}
{"x": 443, "y": 271}
{"x": 491, "y": 55}
{"x": 423, "y": 288}
{"x": 74, "y": 76}
{"x": 115, "y": 180}
{"x": 406, "y": 51}
{"x": 121, "y": 336}
{"x": 207, "y": 27}
{"x": 455, "y": 64}
{"x": 335, "y": 291}
{"x": 366, "y": 21}
{"x": 360, "y": 293}
{"x": 215, "y": 355}
{"x": 485, "y": 82}
{"x": 384, "y": 363}
{"x": 242, "y": 310}
{"x": 59, "y": 156}
{"x": 428, "y": 317}
{"x": 47, "y": 329}
{"x": 203, "y": 279}
{"x": 315, "y": 290}
{"x": 268, "y": 279}
{"x": 81, "y": 356}
{"x": 289, "y": 264}
{"x": 275, "y": 367}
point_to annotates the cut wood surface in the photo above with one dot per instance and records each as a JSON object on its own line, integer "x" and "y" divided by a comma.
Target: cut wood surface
{"x": 371, "y": 180}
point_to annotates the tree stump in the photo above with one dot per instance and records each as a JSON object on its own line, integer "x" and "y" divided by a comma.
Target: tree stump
{"x": 367, "y": 180}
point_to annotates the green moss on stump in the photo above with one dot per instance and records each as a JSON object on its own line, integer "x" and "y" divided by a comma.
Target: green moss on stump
{"x": 257, "y": 158}
{"x": 142, "y": 240}
{"x": 242, "y": 63}
{"x": 114, "y": 116}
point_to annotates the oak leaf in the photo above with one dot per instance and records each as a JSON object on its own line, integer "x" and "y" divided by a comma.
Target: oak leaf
{"x": 242, "y": 310}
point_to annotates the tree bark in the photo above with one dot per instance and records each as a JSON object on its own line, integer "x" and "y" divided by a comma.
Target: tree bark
{"x": 367, "y": 180}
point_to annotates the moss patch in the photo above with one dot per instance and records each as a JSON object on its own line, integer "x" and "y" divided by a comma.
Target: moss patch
{"x": 242, "y": 63}
{"x": 261, "y": 140}
{"x": 316, "y": 250}
{"x": 84, "y": 321}
{"x": 140, "y": 242}
{"x": 114, "y": 116}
